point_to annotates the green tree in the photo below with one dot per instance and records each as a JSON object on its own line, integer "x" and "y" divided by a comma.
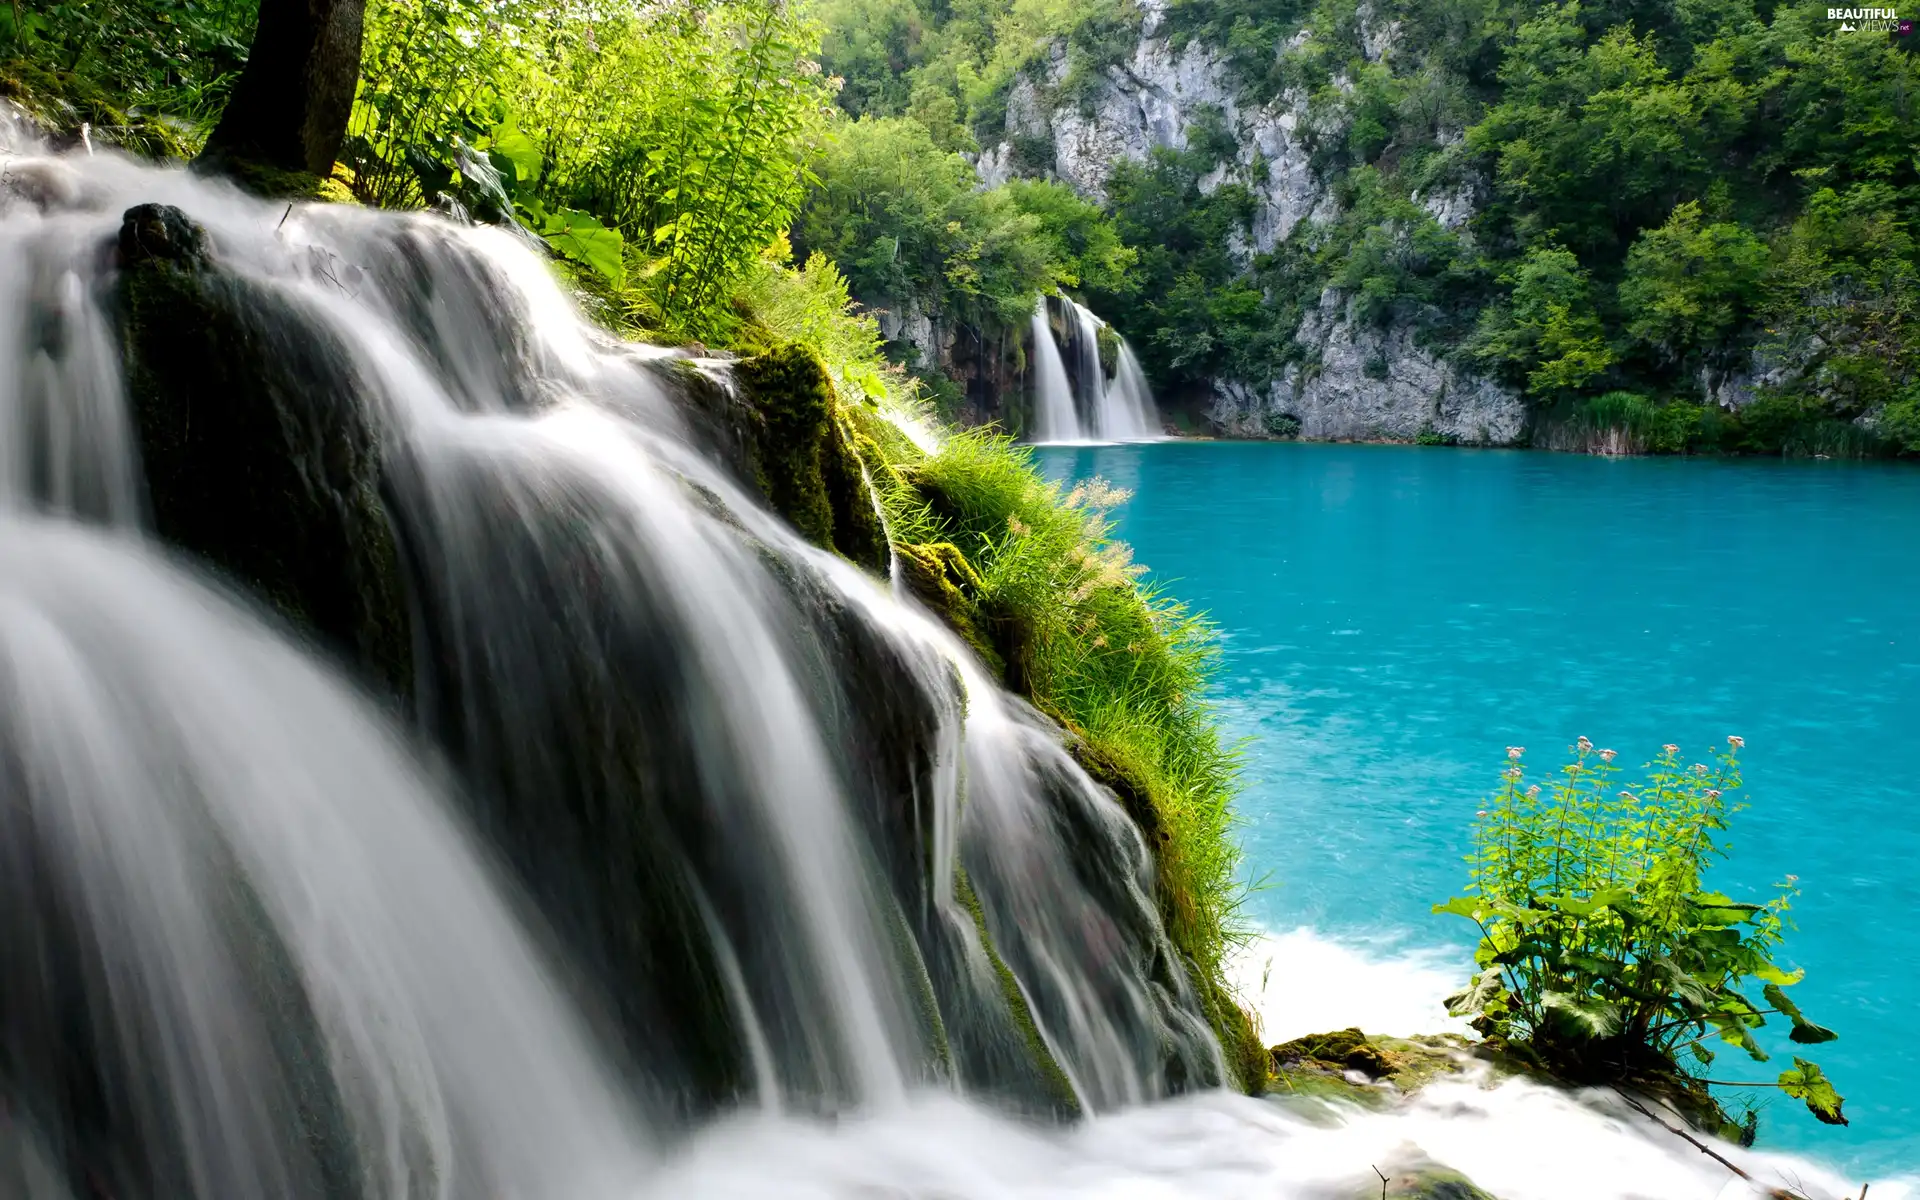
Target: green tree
{"x": 1082, "y": 238}
{"x": 909, "y": 224}
{"x": 1845, "y": 303}
{"x": 1546, "y": 333}
{"x": 1690, "y": 284}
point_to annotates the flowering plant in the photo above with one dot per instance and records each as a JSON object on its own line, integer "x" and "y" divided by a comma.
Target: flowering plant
{"x": 1602, "y": 953}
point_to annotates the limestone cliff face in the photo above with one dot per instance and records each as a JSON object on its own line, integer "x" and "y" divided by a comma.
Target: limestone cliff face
{"x": 1367, "y": 383}
{"x": 1359, "y": 381}
{"x": 1153, "y": 99}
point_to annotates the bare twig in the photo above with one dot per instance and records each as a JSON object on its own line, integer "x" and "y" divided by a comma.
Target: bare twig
{"x": 1383, "y": 1181}
{"x": 1695, "y": 1142}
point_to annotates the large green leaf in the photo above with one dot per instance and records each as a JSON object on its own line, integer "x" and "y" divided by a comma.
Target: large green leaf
{"x": 509, "y": 142}
{"x": 1486, "y": 987}
{"x": 1804, "y": 1032}
{"x": 1591, "y": 1015}
{"x": 581, "y": 237}
{"x": 1806, "y": 1081}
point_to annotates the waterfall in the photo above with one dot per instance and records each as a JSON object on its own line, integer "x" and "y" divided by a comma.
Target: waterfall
{"x": 1056, "y": 416}
{"x": 427, "y": 769}
{"x": 1088, "y": 406}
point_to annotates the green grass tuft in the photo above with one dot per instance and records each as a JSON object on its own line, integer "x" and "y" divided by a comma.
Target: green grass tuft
{"x": 1117, "y": 662}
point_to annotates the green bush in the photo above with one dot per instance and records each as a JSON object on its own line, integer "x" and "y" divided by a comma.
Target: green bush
{"x": 1603, "y": 954}
{"x": 664, "y": 147}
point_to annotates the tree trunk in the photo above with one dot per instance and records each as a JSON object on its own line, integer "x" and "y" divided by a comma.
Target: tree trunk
{"x": 290, "y": 107}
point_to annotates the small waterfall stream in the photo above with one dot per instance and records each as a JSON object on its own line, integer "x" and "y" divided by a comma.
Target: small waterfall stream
{"x": 670, "y": 855}
{"x": 1086, "y": 405}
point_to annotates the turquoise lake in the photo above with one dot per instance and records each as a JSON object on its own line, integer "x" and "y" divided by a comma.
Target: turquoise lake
{"x": 1393, "y": 617}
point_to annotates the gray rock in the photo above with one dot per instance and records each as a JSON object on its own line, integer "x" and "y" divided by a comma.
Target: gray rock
{"x": 1368, "y": 383}
{"x": 1363, "y": 382}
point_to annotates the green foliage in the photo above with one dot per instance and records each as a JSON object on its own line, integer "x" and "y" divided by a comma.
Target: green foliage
{"x": 895, "y": 55}
{"x": 1690, "y": 285}
{"x": 167, "y": 58}
{"x": 812, "y": 307}
{"x": 906, "y": 222}
{"x": 1545, "y": 334}
{"x": 1845, "y": 307}
{"x": 1082, "y": 241}
{"x": 1198, "y": 315}
{"x": 1603, "y": 953}
{"x": 673, "y": 139}
{"x": 1628, "y": 422}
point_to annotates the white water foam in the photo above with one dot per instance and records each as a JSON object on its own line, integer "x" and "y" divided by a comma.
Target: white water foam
{"x": 1300, "y": 982}
{"x": 1518, "y": 1141}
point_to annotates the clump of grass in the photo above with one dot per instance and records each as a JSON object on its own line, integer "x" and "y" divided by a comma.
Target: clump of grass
{"x": 1115, "y": 660}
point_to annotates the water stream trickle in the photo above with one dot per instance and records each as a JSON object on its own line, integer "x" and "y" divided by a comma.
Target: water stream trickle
{"x": 662, "y": 892}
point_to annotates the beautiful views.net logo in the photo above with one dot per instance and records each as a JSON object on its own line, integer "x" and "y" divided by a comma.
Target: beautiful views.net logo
{"x": 1870, "y": 20}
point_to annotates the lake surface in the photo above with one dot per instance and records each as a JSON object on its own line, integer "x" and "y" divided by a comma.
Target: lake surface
{"x": 1393, "y": 617}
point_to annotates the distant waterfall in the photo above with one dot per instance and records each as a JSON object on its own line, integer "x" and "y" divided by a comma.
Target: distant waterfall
{"x": 1088, "y": 406}
{"x": 1055, "y": 418}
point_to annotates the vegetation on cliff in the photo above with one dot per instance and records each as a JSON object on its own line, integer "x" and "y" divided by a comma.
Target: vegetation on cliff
{"x": 1629, "y": 196}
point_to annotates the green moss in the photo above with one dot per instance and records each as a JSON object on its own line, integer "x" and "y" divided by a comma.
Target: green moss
{"x": 804, "y": 454}
{"x": 62, "y": 102}
{"x": 277, "y": 183}
{"x": 1322, "y": 1066}
{"x": 1347, "y": 1049}
{"x": 942, "y": 579}
{"x": 1109, "y": 344}
{"x": 1059, "y": 1087}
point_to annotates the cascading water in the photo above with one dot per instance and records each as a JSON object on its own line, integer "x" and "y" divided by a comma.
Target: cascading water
{"x": 785, "y": 849}
{"x": 1056, "y": 416}
{"x": 1087, "y": 406}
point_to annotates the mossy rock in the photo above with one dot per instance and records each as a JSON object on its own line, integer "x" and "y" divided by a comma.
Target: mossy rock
{"x": 257, "y": 453}
{"x": 804, "y": 456}
{"x": 1416, "y": 1177}
{"x": 278, "y": 183}
{"x": 61, "y": 102}
{"x": 1347, "y": 1049}
{"x": 1371, "y": 1071}
{"x": 940, "y": 576}
{"x": 1108, "y": 342}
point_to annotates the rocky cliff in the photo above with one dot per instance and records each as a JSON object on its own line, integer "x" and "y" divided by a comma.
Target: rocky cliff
{"x": 1354, "y": 379}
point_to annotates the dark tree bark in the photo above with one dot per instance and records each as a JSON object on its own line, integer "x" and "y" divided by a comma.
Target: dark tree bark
{"x": 289, "y": 109}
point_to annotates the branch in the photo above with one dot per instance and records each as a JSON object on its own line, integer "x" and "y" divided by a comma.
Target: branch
{"x": 1695, "y": 1142}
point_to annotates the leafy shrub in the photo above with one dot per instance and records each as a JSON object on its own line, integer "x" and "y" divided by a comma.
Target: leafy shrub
{"x": 1281, "y": 425}
{"x": 1603, "y": 954}
{"x": 686, "y": 132}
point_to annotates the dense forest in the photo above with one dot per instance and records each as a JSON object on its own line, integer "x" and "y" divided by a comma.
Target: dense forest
{"x": 1690, "y": 222}
{"x": 1665, "y": 196}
